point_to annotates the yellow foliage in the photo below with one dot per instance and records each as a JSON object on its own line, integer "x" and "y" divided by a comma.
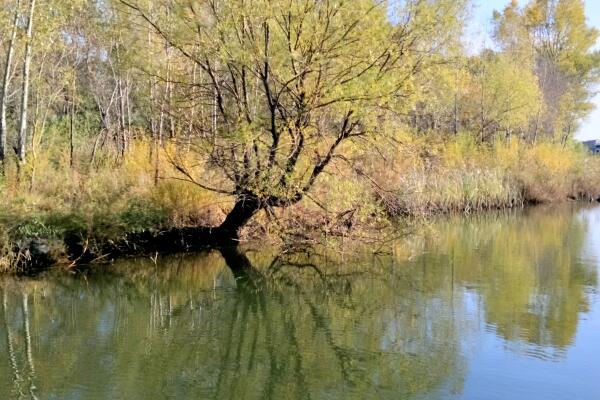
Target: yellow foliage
{"x": 430, "y": 175}
{"x": 49, "y": 185}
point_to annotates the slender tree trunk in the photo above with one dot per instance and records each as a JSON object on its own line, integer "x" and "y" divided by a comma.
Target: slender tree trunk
{"x": 482, "y": 114}
{"x": 72, "y": 123}
{"x": 566, "y": 135}
{"x": 537, "y": 127}
{"x": 152, "y": 91}
{"x": 128, "y": 110}
{"x": 25, "y": 100}
{"x": 193, "y": 110}
{"x": 122, "y": 119}
{"x": 72, "y": 136}
{"x": 170, "y": 100}
{"x": 5, "y": 87}
{"x": 158, "y": 142}
{"x": 455, "y": 128}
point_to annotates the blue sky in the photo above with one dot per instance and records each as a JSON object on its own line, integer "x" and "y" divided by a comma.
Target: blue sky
{"x": 479, "y": 33}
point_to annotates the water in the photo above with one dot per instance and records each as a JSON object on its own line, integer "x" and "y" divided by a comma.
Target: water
{"x": 489, "y": 307}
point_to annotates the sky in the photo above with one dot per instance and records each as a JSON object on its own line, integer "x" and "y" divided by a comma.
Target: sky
{"x": 479, "y": 36}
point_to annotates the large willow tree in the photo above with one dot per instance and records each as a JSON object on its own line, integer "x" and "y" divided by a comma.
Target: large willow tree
{"x": 277, "y": 89}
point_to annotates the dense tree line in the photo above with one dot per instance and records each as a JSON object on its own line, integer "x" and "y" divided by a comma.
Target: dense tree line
{"x": 268, "y": 94}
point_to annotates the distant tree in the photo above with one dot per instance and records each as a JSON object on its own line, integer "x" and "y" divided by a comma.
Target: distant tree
{"x": 554, "y": 38}
{"x": 501, "y": 96}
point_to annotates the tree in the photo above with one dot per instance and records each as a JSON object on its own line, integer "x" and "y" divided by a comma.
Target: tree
{"x": 290, "y": 87}
{"x": 6, "y": 85}
{"x": 25, "y": 94}
{"x": 501, "y": 96}
{"x": 555, "y": 36}
{"x": 513, "y": 34}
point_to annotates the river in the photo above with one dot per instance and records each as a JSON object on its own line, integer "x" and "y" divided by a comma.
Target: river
{"x": 493, "y": 306}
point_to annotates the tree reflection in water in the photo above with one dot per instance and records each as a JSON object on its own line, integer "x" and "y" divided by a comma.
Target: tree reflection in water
{"x": 225, "y": 325}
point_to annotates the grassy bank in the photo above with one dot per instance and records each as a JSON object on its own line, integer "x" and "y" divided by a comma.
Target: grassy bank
{"x": 409, "y": 176}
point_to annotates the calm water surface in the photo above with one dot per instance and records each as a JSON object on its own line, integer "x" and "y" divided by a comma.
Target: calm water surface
{"x": 489, "y": 307}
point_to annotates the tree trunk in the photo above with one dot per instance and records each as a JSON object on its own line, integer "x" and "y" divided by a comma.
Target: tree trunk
{"x": 123, "y": 135}
{"x": 5, "y": 87}
{"x": 72, "y": 123}
{"x": 244, "y": 209}
{"x": 25, "y": 99}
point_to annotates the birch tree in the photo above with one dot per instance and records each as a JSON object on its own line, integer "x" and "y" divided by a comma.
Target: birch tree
{"x": 6, "y": 86}
{"x": 22, "y": 143}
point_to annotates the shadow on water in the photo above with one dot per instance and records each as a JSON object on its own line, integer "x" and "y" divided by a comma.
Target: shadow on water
{"x": 227, "y": 324}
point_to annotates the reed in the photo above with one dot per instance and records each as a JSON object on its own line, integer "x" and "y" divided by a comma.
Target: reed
{"x": 456, "y": 174}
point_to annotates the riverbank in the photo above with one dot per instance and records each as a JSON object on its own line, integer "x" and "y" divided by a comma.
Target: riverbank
{"x": 58, "y": 213}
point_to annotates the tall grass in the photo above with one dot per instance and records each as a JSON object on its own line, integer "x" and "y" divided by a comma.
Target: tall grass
{"x": 430, "y": 175}
{"x": 101, "y": 200}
